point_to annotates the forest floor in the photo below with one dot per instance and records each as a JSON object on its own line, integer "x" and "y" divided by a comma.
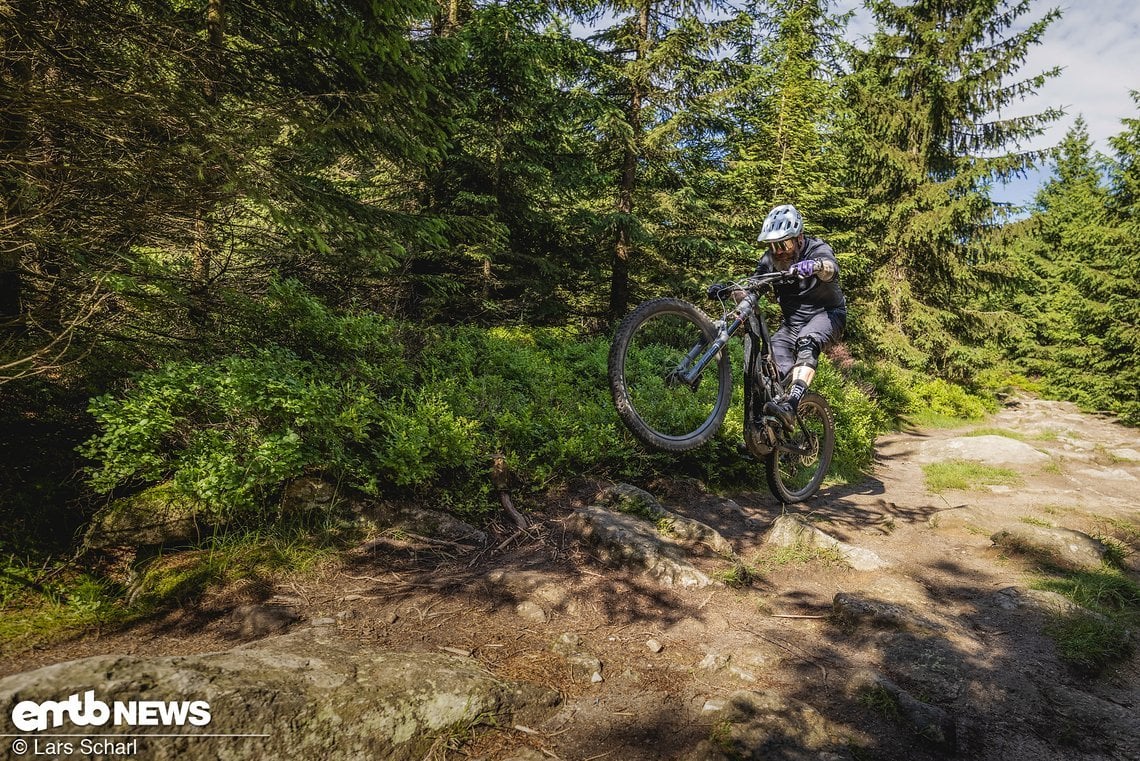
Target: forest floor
{"x": 967, "y": 642}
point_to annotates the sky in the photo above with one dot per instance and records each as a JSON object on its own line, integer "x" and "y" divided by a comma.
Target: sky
{"x": 1098, "y": 45}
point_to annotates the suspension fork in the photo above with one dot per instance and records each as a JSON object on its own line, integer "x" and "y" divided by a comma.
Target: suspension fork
{"x": 726, "y": 332}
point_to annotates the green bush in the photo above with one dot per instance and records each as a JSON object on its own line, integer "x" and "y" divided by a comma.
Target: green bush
{"x": 940, "y": 398}
{"x": 857, "y": 422}
{"x": 230, "y": 434}
{"x": 361, "y": 407}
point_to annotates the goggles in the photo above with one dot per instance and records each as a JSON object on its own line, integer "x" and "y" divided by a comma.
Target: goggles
{"x": 784, "y": 247}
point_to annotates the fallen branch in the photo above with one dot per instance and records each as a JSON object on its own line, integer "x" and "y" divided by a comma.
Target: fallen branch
{"x": 501, "y": 480}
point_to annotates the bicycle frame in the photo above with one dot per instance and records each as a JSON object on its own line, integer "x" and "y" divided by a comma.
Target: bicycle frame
{"x": 795, "y": 455}
{"x": 744, "y": 315}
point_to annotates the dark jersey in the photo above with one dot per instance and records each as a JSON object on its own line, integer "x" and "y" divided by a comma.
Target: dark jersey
{"x": 811, "y": 295}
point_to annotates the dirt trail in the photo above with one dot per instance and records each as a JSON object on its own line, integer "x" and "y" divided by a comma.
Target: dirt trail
{"x": 958, "y": 637}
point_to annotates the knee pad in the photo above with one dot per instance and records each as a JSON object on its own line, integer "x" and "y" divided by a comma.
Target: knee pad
{"x": 807, "y": 352}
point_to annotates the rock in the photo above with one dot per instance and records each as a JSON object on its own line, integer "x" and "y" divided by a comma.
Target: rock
{"x": 992, "y": 450}
{"x": 555, "y": 594}
{"x": 1061, "y": 547}
{"x": 429, "y": 523}
{"x": 567, "y": 642}
{"x": 596, "y": 677}
{"x": 1090, "y": 723}
{"x": 312, "y": 696}
{"x": 755, "y": 725}
{"x": 929, "y": 665}
{"x": 323, "y": 621}
{"x": 852, "y": 609}
{"x": 531, "y": 611}
{"x": 1107, "y": 474}
{"x": 157, "y": 516}
{"x": 929, "y": 722}
{"x": 654, "y": 646}
{"x": 794, "y": 531}
{"x": 582, "y": 663}
{"x": 307, "y": 494}
{"x": 714, "y": 662}
{"x": 624, "y": 540}
{"x": 1125, "y": 453}
{"x": 257, "y": 621}
{"x": 631, "y": 500}
{"x": 626, "y": 498}
{"x": 1012, "y": 598}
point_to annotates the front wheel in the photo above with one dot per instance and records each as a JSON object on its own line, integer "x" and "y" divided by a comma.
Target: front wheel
{"x": 654, "y": 347}
{"x": 797, "y": 465}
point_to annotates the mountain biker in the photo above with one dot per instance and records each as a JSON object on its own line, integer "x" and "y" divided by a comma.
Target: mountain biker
{"x": 813, "y": 306}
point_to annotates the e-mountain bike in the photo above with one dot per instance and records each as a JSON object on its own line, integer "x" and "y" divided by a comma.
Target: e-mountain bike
{"x": 671, "y": 379}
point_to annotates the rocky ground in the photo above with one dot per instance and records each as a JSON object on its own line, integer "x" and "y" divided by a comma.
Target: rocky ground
{"x": 878, "y": 621}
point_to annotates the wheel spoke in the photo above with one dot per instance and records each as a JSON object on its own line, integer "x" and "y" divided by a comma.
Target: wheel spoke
{"x": 654, "y": 353}
{"x": 654, "y": 363}
{"x": 801, "y": 459}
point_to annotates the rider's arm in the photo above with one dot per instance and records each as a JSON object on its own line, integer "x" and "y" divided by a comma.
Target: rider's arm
{"x": 765, "y": 265}
{"x": 828, "y": 268}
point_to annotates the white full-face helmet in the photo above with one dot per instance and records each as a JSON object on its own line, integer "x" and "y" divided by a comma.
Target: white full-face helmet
{"x": 782, "y": 223}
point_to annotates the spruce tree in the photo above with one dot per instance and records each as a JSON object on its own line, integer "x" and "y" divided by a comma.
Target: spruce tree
{"x": 785, "y": 116}
{"x": 162, "y": 162}
{"x": 513, "y": 181}
{"x": 928, "y": 94}
{"x": 1118, "y": 286}
{"x": 660, "y": 72}
{"x": 1065, "y": 254}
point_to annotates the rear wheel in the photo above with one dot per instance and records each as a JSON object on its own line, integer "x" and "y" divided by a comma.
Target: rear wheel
{"x": 653, "y": 346}
{"x": 799, "y": 462}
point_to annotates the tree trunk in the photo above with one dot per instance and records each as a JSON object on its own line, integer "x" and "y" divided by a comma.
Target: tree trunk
{"x": 623, "y": 246}
{"x": 13, "y": 150}
{"x": 204, "y": 242}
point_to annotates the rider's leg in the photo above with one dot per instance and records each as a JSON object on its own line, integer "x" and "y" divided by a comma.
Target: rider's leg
{"x": 783, "y": 344}
{"x": 813, "y": 336}
{"x": 803, "y": 371}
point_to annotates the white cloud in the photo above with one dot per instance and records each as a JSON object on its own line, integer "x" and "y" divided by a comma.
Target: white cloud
{"x": 1096, "y": 43}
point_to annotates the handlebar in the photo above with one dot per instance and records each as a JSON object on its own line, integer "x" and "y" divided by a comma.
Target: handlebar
{"x": 780, "y": 276}
{"x": 753, "y": 283}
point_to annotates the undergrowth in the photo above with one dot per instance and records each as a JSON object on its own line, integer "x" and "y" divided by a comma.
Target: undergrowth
{"x": 384, "y": 408}
{"x": 393, "y": 410}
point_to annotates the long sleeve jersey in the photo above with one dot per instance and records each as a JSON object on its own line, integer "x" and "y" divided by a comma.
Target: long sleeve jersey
{"x": 813, "y": 294}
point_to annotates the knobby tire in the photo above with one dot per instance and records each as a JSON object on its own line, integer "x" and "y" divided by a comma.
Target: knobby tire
{"x": 793, "y": 476}
{"x": 663, "y": 414}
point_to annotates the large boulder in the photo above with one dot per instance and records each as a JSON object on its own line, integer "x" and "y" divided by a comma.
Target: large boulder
{"x": 303, "y": 695}
{"x": 155, "y": 516}
{"x": 630, "y": 541}
{"x": 625, "y": 498}
{"x": 793, "y": 531}
{"x": 993, "y": 450}
{"x": 1060, "y": 547}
